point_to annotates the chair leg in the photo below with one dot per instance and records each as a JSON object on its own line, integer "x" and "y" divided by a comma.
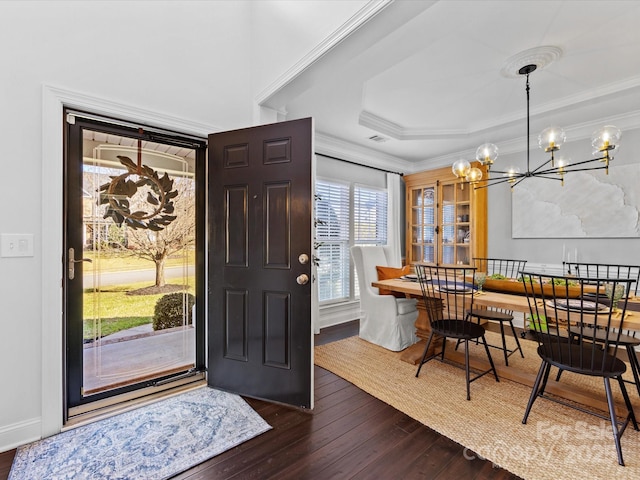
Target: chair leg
{"x": 545, "y": 379}
{"x": 534, "y": 391}
{"x": 444, "y": 344}
{"x": 424, "y": 354}
{"x": 627, "y": 401}
{"x": 466, "y": 368}
{"x": 460, "y": 340}
{"x": 614, "y": 419}
{"x": 558, "y": 375}
{"x": 493, "y": 367}
{"x": 504, "y": 345}
{"x": 478, "y": 322}
{"x": 513, "y": 330}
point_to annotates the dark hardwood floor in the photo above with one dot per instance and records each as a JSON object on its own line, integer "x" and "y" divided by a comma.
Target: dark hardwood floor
{"x": 349, "y": 435}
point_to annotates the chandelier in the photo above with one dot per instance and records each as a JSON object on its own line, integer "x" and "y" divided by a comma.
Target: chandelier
{"x": 603, "y": 141}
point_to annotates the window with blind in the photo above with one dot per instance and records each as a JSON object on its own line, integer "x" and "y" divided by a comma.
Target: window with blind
{"x": 347, "y": 214}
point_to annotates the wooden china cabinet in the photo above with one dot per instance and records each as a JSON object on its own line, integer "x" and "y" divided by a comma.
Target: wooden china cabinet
{"x": 447, "y": 226}
{"x": 446, "y": 219}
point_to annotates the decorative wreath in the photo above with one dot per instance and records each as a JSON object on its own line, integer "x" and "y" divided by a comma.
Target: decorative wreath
{"x": 117, "y": 193}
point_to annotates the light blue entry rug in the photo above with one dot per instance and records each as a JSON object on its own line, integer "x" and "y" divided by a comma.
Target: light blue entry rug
{"x": 152, "y": 442}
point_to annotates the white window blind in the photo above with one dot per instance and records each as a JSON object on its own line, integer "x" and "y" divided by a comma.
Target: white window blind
{"x": 370, "y": 216}
{"x": 347, "y": 215}
{"x": 332, "y": 235}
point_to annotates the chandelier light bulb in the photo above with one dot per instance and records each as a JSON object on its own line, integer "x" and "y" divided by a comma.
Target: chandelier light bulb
{"x": 461, "y": 168}
{"x": 561, "y": 163}
{"x": 487, "y": 153}
{"x": 475, "y": 175}
{"x": 605, "y": 139}
{"x": 551, "y": 139}
{"x": 512, "y": 173}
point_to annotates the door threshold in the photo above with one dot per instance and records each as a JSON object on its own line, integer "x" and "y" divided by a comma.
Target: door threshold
{"x": 109, "y": 407}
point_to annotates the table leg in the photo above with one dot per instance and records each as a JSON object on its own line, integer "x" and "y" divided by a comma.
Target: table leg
{"x": 413, "y": 354}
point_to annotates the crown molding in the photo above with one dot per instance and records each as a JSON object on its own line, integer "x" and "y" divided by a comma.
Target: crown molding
{"x": 394, "y": 130}
{"x": 362, "y": 16}
{"x": 399, "y": 132}
{"x": 334, "y": 147}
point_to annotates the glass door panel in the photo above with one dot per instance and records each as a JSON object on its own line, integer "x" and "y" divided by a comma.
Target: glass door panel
{"x": 138, "y": 262}
{"x": 448, "y": 224}
{"x": 463, "y": 225}
{"x": 456, "y": 224}
{"x": 423, "y": 222}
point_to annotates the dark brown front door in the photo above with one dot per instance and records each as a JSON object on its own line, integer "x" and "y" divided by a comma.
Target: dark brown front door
{"x": 259, "y": 318}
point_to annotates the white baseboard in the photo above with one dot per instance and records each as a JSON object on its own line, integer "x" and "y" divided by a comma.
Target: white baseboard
{"x": 14, "y": 435}
{"x": 331, "y": 315}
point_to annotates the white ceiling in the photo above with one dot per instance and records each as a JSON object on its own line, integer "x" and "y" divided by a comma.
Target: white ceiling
{"x": 427, "y": 77}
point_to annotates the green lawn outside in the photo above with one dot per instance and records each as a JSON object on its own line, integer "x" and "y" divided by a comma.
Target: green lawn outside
{"x": 119, "y": 311}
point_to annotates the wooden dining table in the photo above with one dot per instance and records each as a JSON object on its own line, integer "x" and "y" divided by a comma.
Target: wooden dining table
{"x": 412, "y": 289}
{"x": 509, "y": 301}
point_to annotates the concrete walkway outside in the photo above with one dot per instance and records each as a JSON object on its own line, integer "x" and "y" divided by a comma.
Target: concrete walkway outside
{"x": 137, "y": 354}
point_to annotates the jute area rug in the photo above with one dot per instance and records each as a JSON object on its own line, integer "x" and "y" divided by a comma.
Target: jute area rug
{"x": 556, "y": 443}
{"x": 156, "y": 441}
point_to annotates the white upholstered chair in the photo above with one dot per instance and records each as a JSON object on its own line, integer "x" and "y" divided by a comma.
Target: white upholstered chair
{"x": 385, "y": 320}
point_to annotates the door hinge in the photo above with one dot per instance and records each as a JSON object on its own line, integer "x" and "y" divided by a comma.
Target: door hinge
{"x": 71, "y": 119}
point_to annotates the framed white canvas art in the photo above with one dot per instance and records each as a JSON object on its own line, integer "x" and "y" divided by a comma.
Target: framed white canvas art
{"x": 591, "y": 204}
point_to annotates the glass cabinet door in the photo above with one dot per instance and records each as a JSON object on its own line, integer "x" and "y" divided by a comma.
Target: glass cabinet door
{"x": 448, "y": 225}
{"x": 446, "y": 219}
{"x": 455, "y": 224}
{"x": 463, "y": 225}
{"x": 423, "y": 224}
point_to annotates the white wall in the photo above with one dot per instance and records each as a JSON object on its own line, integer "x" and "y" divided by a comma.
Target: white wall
{"x": 188, "y": 63}
{"x": 171, "y": 60}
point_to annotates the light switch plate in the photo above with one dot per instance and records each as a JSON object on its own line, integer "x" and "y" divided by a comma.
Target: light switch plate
{"x": 16, "y": 244}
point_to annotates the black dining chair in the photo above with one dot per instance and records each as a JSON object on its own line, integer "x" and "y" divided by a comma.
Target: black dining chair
{"x": 448, "y": 295}
{"x": 629, "y": 339}
{"x": 507, "y": 268}
{"x": 563, "y": 325}
{"x": 605, "y": 270}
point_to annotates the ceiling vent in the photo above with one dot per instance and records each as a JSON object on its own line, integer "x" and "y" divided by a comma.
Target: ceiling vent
{"x": 378, "y": 138}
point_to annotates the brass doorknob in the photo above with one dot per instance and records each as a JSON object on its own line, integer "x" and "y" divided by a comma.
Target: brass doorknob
{"x": 302, "y": 279}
